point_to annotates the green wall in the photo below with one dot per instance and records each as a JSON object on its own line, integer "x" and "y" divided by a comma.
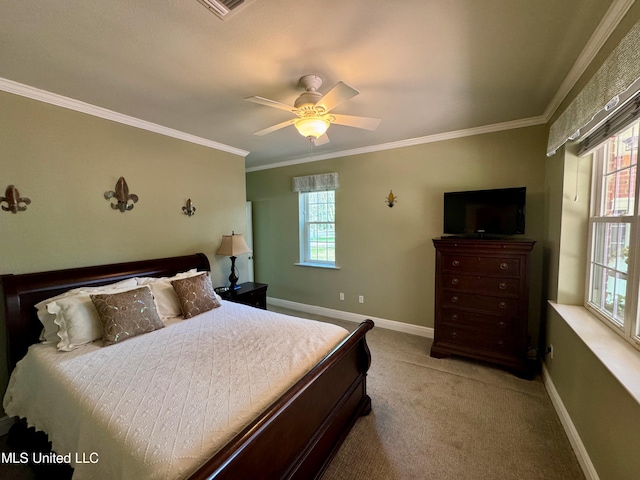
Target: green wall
{"x": 386, "y": 254}
{"x": 605, "y": 415}
{"x": 64, "y": 161}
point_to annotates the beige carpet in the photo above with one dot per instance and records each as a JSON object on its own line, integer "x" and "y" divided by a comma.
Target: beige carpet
{"x": 449, "y": 419}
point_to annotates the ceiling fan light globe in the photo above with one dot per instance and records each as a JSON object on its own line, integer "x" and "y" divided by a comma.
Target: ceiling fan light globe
{"x": 313, "y": 127}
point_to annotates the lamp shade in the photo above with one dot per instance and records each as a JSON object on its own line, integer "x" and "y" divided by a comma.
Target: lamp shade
{"x": 233, "y": 245}
{"x": 313, "y": 127}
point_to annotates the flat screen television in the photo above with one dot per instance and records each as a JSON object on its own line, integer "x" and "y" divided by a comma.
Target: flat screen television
{"x": 485, "y": 213}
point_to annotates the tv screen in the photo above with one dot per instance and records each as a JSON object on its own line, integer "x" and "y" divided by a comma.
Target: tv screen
{"x": 495, "y": 213}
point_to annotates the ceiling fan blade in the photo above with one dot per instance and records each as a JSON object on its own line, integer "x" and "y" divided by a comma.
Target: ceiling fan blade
{"x": 273, "y": 128}
{"x": 367, "y": 123}
{"x": 270, "y": 103}
{"x": 340, "y": 93}
{"x": 321, "y": 140}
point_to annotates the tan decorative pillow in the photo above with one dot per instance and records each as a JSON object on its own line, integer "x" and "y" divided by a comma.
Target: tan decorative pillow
{"x": 196, "y": 295}
{"x": 126, "y": 314}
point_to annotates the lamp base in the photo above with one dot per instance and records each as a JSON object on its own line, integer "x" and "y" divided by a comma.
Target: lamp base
{"x": 233, "y": 278}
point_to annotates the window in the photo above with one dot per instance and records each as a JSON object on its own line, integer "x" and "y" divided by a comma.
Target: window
{"x": 318, "y": 228}
{"x": 613, "y": 286}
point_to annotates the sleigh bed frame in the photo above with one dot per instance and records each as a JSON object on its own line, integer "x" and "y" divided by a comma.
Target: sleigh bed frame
{"x": 295, "y": 438}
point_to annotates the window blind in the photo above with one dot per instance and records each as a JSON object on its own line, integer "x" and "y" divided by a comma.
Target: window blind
{"x": 624, "y": 116}
{"x": 614, "y": 77}
{"x": 316, "y": 183}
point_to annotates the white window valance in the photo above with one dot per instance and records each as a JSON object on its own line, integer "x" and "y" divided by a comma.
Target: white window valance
{"x": 316, "y": 183}
{"x": 602, "y": 93}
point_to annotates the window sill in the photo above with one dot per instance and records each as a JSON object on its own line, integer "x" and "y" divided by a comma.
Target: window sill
{"x": 317, "y": 265}
{"x": 619, "y": 357}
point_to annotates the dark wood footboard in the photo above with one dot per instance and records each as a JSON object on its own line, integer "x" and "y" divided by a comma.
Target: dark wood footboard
{"x": 299, "y": 434}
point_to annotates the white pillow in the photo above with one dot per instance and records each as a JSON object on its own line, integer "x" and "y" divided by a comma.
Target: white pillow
{"x": 47, "y": 318}
{"x": 165, "y": 296}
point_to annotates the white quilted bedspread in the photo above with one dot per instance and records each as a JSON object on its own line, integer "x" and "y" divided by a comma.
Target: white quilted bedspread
{"x": 158, "y": 405}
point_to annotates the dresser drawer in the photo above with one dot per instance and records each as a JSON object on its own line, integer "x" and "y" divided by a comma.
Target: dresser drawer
{"x": 494, "y": 324}
{"x": 477, "y": 339}
{"x": 483, "y": 303}
{"x": 481, "y": 265}
{"x": 480, "y": 284}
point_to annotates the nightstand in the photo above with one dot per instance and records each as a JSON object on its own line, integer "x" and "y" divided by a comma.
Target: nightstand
{"x": 249, "y": 293}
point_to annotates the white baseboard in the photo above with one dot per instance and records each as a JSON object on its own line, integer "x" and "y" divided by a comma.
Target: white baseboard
{"x": 5, "y": 424}
{"x": 352, "y": 317}
{"x": 574, "y": 438}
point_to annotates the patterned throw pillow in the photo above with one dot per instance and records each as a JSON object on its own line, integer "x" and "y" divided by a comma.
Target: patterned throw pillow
{"x": 126, "y": 314}
{"x": 196, "y": 295}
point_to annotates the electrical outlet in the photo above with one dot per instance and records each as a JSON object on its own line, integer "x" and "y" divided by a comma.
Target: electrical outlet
{"x": 550, "y": 351}
{"x": 361, "y": 298}
{"x": 341, "y": 296}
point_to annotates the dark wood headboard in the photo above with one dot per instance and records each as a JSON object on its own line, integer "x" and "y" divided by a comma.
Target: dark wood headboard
{"x": 22, "y": 292}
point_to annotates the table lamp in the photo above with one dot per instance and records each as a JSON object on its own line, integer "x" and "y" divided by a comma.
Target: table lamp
{"x": 232, "y": 246}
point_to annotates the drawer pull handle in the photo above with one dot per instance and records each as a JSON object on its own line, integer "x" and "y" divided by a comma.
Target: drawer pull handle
{"x": 454, "y": 334}
{"x": 500, "y": 343}
{"x": 454, "y": 281}
{"x": 502, "y": 305}
{"x": 501, "y": 324}
{"x": 504, "y": 266}
{"x": 455, "y": 263}
{"x": 454, "y": 316}
{"x": 502, "y": 286}
{"x": 455, "y": 299}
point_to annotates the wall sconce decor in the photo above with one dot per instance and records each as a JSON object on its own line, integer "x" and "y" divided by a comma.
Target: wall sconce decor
{"x": 231, "y": 246}
{"x": 391, "y": 199}
{"x": 189, "y": 209}
{"x": 122, "y": 196}
{"x": 15, "y": 203}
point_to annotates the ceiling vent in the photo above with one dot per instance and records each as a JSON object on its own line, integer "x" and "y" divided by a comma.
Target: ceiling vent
{"x": 224, "y": 8}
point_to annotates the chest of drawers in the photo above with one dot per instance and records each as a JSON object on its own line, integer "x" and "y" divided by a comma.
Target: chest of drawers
{"x": 482, "y": 300}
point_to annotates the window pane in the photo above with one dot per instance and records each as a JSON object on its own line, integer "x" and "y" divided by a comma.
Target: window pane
{"x": 620, "y": 235}
{"x": 627, "y": 147}
{"x": 319, "y": 227}
{"x": 598, "y": 281}
{"x": 611, "y": 245}
{"x": 314, "y": 213}
{"x": 599, "y": 243}
{"x": 619, "y": 294}
{"x": 610, "y": 163}
{"x": 610, "y": 263}
{"x": 610, "y": 195}
{"x": 322, "y": 242}
{"x": 620, "y": 173}
{"x": 632, "y": 190}
{"x": 609, "y": 289}
{"x": 615, "y": 295}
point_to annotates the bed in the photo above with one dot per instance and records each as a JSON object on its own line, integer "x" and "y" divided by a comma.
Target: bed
{"x": 297, "y": 434}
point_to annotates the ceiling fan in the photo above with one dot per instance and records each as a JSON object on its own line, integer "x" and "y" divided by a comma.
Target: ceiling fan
{"x": 312, "y": 111}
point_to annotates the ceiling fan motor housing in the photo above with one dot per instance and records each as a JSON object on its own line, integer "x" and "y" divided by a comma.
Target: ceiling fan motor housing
{"x": 310, "y": 96}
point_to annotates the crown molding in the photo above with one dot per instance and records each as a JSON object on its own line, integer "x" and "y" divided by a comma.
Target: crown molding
{"x": 469, "y": 132}
{"x": 65, "y": 102}
{"x": 601, "y": 34}
{"x": 607, "y": 25}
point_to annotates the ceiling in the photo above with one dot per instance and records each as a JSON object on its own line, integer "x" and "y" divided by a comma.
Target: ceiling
{"x": 425, "y": 67}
